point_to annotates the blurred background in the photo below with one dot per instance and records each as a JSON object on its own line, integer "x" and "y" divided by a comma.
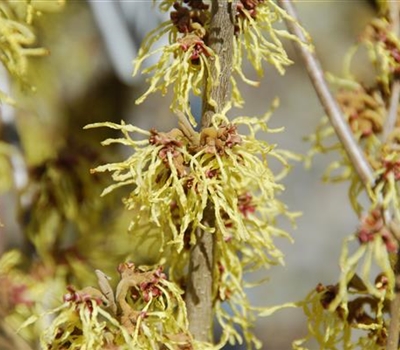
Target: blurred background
{"x": 87, "y": 78}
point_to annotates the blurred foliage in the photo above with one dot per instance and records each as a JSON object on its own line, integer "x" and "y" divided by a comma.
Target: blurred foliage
{"x": 18, "y": 37}
{"x": 60, "y": 212}
{"x": 169, "y": 182}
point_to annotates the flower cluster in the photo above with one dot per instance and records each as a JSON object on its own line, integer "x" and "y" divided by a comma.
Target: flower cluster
{"x": 14, "y": 290}
{"x": 366, "y": 109}
{"x": 359, "y": 301}
{"x": 334, "y": 309}
{"x": 26, "y": 292}
{"x": 174, "y": 180}
{"x": 18, "y": 39}
{"x": 364, "y": 315}
{"x": 145, "y": 312}
{"x": 365, "y": 106}
{"x": 61, "y": 189}
{"x": 366, "y": 112}
{"x": 176, "y": 183}
{"x": 258, "y": 39}
{"x": 373, "y": 225}
{"x": 384, "y": 49}
{"x": 186, "y": 61}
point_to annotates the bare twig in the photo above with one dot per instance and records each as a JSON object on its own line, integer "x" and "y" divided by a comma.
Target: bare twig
{"x": 393, "y": 107}
{"x": 200, "y": 281}
{"x": 332, "y": 109}
{"x": 394, "y": 326}
{"x": 394, "y": 8}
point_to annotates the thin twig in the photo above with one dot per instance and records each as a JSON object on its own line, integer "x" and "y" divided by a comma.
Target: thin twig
{"x": 393, "y": 107}
{"x": 332, "y": 109}
{"x": 394, "y": 9}
{"x": 199, "y": 296}
{"x": 394, "y": 326}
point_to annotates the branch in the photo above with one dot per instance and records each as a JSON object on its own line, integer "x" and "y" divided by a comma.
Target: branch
{"x": 393, "y": 107}
{"x": 221, "y": 41}
{"x": 394, "y": 8}
{"x": 332, "y": 109}
{"x": 346, "y": 138}
{"x": 394, "y": 326}
{"x": 200, "y": 282}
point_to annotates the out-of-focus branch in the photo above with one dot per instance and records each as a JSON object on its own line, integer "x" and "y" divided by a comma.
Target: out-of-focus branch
{"x": 393, "y": 107}
{"x": 329, "y": 103}
{"x": 394, "y": 11}
{"x": 199, "y": 291}
{"x": 394, "y": 8}
{"x": 394, "y": 326}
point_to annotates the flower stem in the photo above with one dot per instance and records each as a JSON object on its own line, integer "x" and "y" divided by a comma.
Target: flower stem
{"x": 199, "y": 290}
{"x": 332, "y": 109}
{"x": 221, "y": 42}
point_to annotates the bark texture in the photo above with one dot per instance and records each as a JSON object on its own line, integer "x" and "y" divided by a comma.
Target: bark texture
{"x": 199, "y": 292}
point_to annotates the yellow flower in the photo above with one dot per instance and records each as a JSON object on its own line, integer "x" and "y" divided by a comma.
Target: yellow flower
{"x": 17, "y": 37}
{"x": 332, "y": 329}
{"x": 145, "y": 312}
{"x": 384, "y": 49}
{"x": 185, "y": 62}
{"x": 176, "y": 181}
{"x": 257, "y": 38}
